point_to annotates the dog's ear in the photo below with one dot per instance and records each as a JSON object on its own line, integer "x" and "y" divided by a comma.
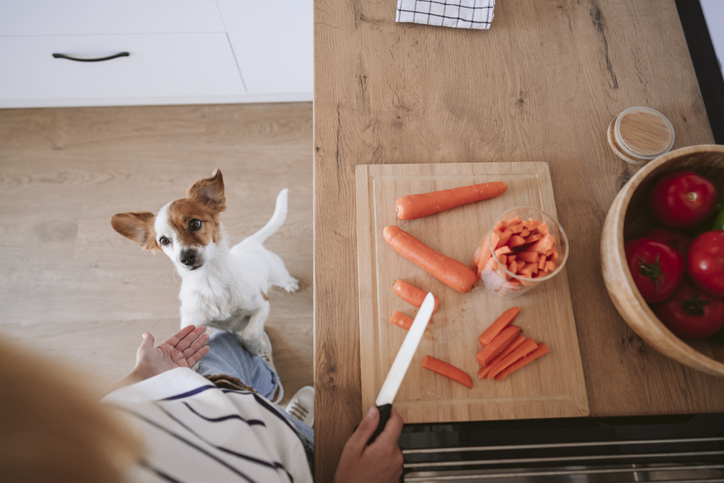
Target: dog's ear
{"x": 209, "y": 192}
{"x": 138, "y": 227}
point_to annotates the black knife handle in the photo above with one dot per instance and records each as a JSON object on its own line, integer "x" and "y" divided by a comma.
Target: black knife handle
{"x": 384, "y": 410}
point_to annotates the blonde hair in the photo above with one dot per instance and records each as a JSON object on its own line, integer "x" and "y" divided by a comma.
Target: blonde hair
{"x": 52, "y": 427}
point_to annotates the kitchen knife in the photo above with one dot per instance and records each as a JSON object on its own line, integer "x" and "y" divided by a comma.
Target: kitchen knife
{"x": 401, "y": 363}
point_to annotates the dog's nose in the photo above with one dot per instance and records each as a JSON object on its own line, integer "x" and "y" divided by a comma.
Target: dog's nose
{"x": 188, "y": 257}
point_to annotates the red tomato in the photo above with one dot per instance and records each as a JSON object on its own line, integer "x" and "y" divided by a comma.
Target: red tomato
{"x": 691, "y": 312}
{"x": 682, "y": 199}
{"x": 676, "y": 239}
{"x": 705, "y": 262}
{"x": 656, "y": 268}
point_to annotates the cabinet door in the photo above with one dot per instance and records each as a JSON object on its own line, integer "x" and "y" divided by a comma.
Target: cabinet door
{"x": 86, "y": 17}
{"x": 273, "y": 44}
{"x": 161, "y": 69}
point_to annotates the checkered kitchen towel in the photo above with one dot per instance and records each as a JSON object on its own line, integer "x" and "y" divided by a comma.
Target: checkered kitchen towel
{"x": 464, "y": 14}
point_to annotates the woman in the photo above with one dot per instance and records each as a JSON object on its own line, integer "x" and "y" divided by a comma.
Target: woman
{"x": 165, "y": 422}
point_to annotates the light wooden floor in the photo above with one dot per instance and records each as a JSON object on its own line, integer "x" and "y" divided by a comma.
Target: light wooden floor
{"x": 73, "y": 288}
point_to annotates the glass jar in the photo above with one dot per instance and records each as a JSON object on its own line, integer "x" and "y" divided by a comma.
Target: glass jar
{"x": 514, "y": 266}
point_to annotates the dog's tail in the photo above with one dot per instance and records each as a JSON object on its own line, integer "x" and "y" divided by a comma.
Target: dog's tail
{"x": 276, "y": 221}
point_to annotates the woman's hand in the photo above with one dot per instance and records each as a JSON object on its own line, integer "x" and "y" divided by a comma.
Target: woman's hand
{"x": 379, "y": 462}
{"x": 183, "y": 349}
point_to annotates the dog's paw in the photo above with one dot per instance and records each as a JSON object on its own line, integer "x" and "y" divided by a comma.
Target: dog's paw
{"x": 292, "y": 285}
{"x": 255, "y": 347}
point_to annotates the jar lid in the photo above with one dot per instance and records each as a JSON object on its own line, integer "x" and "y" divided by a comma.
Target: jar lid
{"x": 644, "y": 131}
{"x": 640, "y": 134}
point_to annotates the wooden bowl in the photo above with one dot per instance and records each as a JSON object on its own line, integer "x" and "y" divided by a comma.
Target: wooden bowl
{"x": 627, "y": 219}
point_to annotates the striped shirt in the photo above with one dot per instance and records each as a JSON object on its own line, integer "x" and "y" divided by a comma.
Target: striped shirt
{"x": 195, "y": 432}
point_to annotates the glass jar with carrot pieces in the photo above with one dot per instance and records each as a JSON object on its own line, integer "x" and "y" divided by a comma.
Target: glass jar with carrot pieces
{"x": 524, "y": 248}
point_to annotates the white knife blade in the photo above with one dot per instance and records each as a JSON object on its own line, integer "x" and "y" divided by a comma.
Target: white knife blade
{"x": 406, "y": 353}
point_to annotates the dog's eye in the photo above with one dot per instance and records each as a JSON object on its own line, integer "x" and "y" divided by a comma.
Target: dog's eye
{"x": 195, "y": 225}
{"x": 164, "y": 241}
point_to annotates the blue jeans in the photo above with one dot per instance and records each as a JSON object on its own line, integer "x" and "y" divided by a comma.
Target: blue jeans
{"x": 227, "y": 356}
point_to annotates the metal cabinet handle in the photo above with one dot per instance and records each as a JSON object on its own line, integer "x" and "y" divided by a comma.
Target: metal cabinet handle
{"x": 100, "y": 59}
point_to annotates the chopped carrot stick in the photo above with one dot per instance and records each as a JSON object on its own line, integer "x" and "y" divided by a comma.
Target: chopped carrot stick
{"x": 530, "y": 257}
{"x": 514, "y": 221}
{"x": 416, "y": 206}
{"x": 528, "y": 269}
{"x": 503, "y": 238}
{"x": 533, "y": 224}
{"x": 532, "y": 239}
{"x": 523, "y": 350}
{"x": 448, "y": 370}
{"x": 517, "y": 228}
{"x": 495, "y": 240}
{"x": 483, "y": 371}
{"x": 516, "y": 241}
{"x": 550, "y": 267}
{"x": 450, "y": 272}
{"x": 411, "y": 294}
{"x": 503, "y": 251}
{"x": 541, "y": 263}
{"x": 481, "y": 256}
{"x": 540, "y": 351}
{"x": 543, "y": 228}
{"x": 497, "y": 345}
{"x": 544, "y": 244}
{"x": 511, "y": 347}
{"x": 513, "y": 266}
{"x": 505, "y": 319}
{"x": 401, "y": 320}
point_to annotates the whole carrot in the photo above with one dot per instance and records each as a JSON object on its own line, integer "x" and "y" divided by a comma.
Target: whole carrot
{"x": 411, "y": 294}
{"x": 411, "y": 207}
{"x": 450, "y": 272}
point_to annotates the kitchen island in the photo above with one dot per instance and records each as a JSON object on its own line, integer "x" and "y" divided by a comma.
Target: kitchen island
{"x": 542, "y": 84}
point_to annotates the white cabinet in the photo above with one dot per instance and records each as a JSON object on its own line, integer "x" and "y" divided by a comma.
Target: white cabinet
{"x": 180, "y": 52}
{"x": 164, "y": 67}
{"x": 93, "y": 17}
{"x": 273, "y": 42}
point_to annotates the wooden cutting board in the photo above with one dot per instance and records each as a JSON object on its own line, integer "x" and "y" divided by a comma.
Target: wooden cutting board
{"x": 550, "y": 387}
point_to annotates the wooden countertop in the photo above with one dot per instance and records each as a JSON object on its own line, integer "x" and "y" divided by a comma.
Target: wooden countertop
{"x": 541, "y": 85}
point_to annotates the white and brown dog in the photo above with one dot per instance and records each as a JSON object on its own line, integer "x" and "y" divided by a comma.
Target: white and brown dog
{"x": 221, "y": 287}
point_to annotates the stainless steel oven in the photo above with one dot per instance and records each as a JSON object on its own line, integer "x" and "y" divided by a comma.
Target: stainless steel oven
{"x": 652, "y": 448}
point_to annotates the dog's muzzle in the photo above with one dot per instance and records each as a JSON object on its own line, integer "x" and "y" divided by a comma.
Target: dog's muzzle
{"x": 189, "y": 258}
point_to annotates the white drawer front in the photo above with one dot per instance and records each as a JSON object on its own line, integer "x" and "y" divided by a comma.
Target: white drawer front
{"x": 160, "y": 68}
{"x": 273, "y": 43}
{"x": 89, "y": 17}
